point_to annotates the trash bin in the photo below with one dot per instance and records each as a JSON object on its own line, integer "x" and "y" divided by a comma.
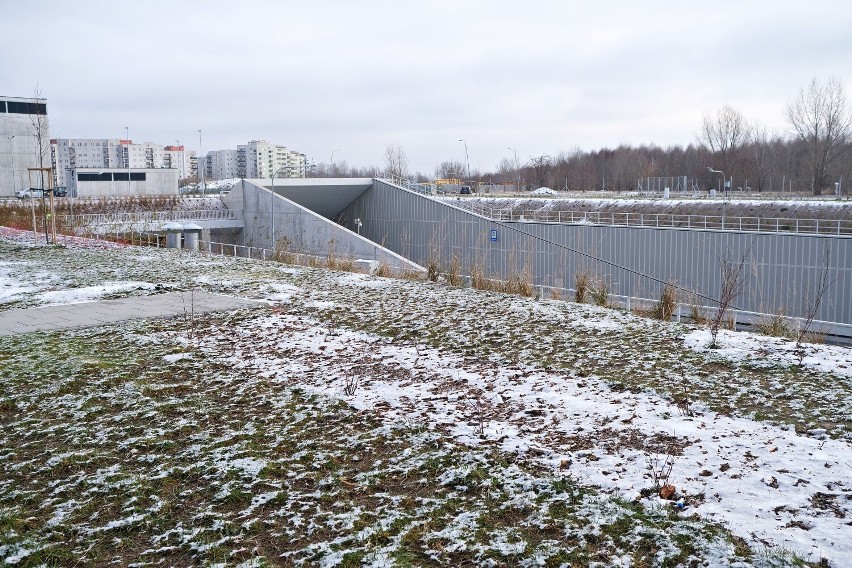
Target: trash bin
{"x": 173, "y": 232}
{"x": 191, "y": 236}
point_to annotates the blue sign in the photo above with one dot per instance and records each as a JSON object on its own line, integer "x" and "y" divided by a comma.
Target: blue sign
{"x": 493, "y": 235}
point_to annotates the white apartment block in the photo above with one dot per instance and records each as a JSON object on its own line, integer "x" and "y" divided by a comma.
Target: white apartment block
{"x": 179, "y": 158}
{"x": 223, "y": 164}
{"x": 260, "y": 159}
{"x": 72, "y": 153}
{"x": 20, "y": 120}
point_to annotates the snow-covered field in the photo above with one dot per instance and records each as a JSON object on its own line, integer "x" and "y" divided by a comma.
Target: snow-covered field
{"x": 380, "y": 421}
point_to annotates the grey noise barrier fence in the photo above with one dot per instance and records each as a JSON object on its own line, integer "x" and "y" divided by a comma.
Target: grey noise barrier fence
{"x": 392, "y": 224}
{"x": 781, "y": 272}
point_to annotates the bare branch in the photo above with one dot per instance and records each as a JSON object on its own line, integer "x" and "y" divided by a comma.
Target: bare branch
{"x": 813, "y": 298}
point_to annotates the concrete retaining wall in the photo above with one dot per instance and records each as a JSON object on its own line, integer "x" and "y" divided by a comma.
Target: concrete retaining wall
{"x": 298, "y": 229}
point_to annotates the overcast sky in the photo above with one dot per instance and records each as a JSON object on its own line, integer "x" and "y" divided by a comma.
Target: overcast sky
{"x": 350, "y": 77}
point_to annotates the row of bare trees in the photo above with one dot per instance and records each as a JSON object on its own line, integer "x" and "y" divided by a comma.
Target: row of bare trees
{"x": 811, "y": 157}
{"x": 816, "y": 154}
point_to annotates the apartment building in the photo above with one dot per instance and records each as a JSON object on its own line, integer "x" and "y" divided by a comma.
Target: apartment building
{"x": 223, "y": 164}
{"x": 73, "y": 153}
{"x": 179, "y": 158}
{"x": 260, "y": 159}
{"x": 20, "y": 121}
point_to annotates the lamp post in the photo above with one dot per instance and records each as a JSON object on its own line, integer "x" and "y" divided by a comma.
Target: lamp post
{"x": 517, "y": 170}
{"x": 275, "y": 173}
{"x": 181, "y": 158}
{"x": 724, "y": 181}
{"x": 12, "y": 153}
{"x": 127, "y": 138}
{"x": 332, "y": 157}
{"x": 466, "y": 158}
{"x": 202, "y": 165}
{"x": 724, "y": 202}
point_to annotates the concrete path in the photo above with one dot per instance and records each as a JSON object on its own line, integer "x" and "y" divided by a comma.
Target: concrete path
{"x": 171, "y": 304}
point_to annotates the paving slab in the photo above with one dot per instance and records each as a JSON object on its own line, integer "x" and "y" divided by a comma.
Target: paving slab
{"x": 69, "y": 316}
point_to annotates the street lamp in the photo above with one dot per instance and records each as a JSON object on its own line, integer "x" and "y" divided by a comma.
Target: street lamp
{"x": 275, "y": 173}
{"x": 724, "y": 202}
{"x": 332, "y": 157}
{"x": 202, "y": 166}
{"x": 12, "y": 153}
{"x": 127, "y": 138}
{"x": 724, "y": 181}
{"x": 466, "y": 158}
{"x": 181, "y": 159}
{"x": 517, "y": 170}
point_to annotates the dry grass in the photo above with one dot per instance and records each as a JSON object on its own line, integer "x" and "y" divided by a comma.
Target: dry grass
{"x": 454, "y": 276}
{"x": 582, "y": 285}
{"x": 666, "y": 306}
{"x": 774, "y": 325}
{"x": 600, "y": 293}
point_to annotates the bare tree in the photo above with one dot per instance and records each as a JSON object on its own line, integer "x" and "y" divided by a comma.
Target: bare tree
{"x": 822, "y": 119}
{"x": 40, "y": 130}
{"x": 396, "y": 162}
{"x": 725, "y": 133}
{"x": 541, "y": 166}
{"x": 761, "y": 156}
{"x": 812, "y": 298}
{"x": 452, "y": 169}
{"x": 731, "y": 272}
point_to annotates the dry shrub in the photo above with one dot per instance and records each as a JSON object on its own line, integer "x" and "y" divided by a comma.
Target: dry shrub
{"x": 665, "y": 308}
{"x": 454, "y": 275}
{"x": 600, "y": 293}
{"x": 774, "y": 325}
{"x": 411, "y": 274}
{"x": 520, "y": 282}
{"x": 433, "y": 270}
{"x": 815, "y": 337}
{"x": 582, "y": 281}
{"x": 383, "y": 270}
{"x": 282, "y": 251}
{"x": 334, "y": 261}
{"x": 346, "y": 264}
{"x": 478, "y": 279}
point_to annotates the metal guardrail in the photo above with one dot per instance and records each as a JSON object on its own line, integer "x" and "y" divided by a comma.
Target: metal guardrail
{"x": 424, "y": 188}
{"x": 92, "y": 219}
{"x": 672, "y": 220}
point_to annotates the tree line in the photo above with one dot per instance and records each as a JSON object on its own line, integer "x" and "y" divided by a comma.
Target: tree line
{"x": 815, "y": 156}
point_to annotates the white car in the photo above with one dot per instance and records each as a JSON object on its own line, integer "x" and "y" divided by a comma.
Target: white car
{"x": 543, "y": 191}
{"x": 31, "y": 192}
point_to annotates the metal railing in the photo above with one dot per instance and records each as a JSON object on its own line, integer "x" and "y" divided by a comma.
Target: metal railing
{"x": 671, "y": 220}
{"x": 119, "y": 218}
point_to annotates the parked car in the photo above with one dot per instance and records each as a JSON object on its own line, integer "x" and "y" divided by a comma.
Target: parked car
{"x": 543, "y": 191}
{"x": 31, "y": 192}
{"x": 60, "y": 192}
{"x": 465, "y": 190}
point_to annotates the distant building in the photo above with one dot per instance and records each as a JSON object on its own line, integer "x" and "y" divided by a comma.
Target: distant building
{"x": 21, "y": 119}
{"x": 122, "y": 182}
{"x": 223, "y": 164}
{"x": 178, "y": 158}
{"x": 72, "y": 153}
{"x": 260, "y": 159}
